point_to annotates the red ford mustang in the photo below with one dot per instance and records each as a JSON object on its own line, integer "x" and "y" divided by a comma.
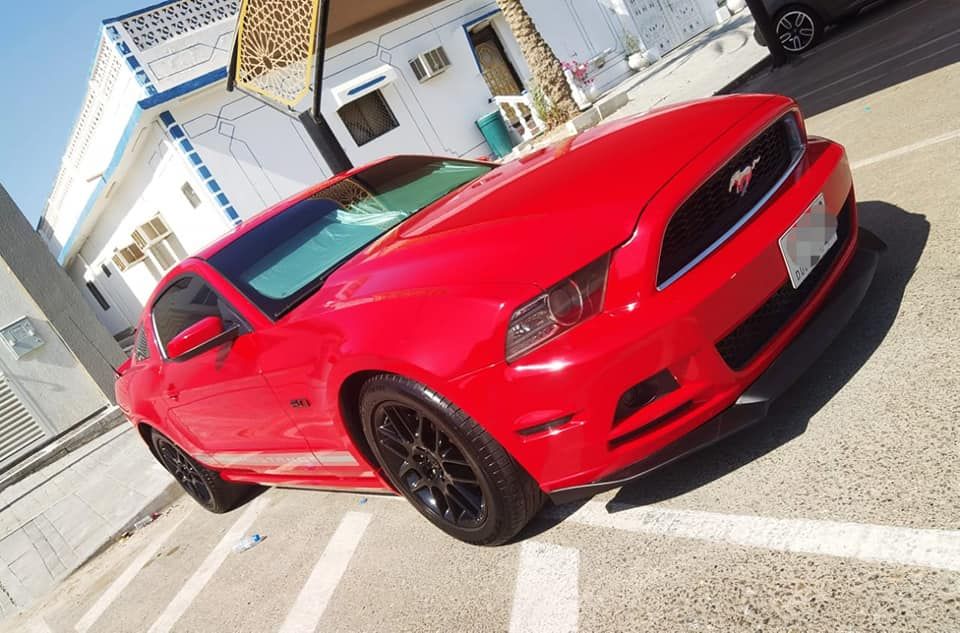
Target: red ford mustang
{"x": 480, "y": 337}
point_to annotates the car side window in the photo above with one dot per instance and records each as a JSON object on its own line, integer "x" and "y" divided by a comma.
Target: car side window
{"x": 185, "y": 302}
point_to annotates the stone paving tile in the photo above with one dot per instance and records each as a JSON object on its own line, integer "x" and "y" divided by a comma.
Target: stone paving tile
{"x": 14, "y": 546}
{"x": 31, "y": 572}
{"x": 64, "y": 553}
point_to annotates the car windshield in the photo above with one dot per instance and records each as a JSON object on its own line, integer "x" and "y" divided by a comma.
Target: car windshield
{"x": 282, "y": 261}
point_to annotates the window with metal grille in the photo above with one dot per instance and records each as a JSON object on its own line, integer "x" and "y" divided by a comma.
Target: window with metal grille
{"x": 190, "y": 195}
{"x": 128, "y": 256}
{"x": 368, "y": 117}
{"x": 99, "y": 297}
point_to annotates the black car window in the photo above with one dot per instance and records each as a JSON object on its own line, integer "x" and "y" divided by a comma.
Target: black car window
{"x": 185, "y": 302}
{"x": 280, "y": 262}
{"x": 141, "y": 347}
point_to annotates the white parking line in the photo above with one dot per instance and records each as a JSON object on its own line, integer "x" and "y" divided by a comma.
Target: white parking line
{"x": 305, "y": 614}
{"x": 906, "y": 149}
{"x": 192, "y": 587}
{"x": 938, "y": 549}
{"x": 38, "y": 625}
{"x": 127, "y": 576}
{"x": 547, "y": 594}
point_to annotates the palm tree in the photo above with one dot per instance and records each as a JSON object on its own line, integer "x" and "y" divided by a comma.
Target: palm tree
{"x": 546, "y": 68}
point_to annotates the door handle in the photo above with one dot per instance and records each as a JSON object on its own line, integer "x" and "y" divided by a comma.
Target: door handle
{"x": 172, "y": 393}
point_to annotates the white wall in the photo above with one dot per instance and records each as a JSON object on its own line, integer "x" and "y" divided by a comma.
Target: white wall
{"x": 152, "y": 185}
{"x": 438, "y": 116}
{"x": 203, "y": 47}
{"x": 50, "y": 381}
{"x": 105, "y": 112}
{"x": 257, "y": 155}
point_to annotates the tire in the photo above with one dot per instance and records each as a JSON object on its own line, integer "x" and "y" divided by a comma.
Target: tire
{"x": 799, "y": 28}
{"x": 205, "y": 486}
{"x": 758, "y": 37}
{"x": 446, "y": 465}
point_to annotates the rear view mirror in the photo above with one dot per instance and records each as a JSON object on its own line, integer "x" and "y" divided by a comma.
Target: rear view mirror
{"x": 204, "y": 335}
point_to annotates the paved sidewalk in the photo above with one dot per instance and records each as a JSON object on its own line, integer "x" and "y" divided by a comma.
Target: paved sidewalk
{"x": 700, "y": 68}
{"x": 55, "y": 519}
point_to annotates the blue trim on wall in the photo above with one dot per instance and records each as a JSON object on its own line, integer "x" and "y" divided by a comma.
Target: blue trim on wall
{"x": 364, "y": 86}
{"x": 483, "y": 17}
{"x": 182, "y": 89}
{"x": 173, "y": 128}
{"x": 104, "y": 178}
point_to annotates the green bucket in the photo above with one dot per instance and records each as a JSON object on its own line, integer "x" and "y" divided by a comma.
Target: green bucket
{"x": 496, "y": 134}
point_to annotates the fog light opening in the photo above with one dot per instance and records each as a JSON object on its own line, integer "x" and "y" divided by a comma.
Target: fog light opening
{"x": 642, "y": 394}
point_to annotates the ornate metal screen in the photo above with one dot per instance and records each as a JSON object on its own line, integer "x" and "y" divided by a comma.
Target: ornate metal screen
{"x": 276, "y": 46}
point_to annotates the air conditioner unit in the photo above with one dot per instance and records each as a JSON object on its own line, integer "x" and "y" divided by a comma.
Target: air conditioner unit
{"x": 430, "y": 64}
{"x": 150, "y": 232}
{"x": 128, "y": 256}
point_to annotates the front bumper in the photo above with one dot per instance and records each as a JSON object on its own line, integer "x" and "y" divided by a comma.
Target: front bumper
{"x": 754, "y": 403}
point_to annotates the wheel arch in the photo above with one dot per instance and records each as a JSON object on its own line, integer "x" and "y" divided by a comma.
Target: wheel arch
{"x": 348, "y": 403}
{"x": 146, "y": 430}
{"x": 811, "y": 8}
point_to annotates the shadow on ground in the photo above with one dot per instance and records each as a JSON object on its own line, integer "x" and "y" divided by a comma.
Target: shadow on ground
{"x": 883, "y": 47}
{"x": 906, "y": 236}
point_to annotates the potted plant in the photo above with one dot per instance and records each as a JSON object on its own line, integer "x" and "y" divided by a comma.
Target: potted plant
{"x": 581, "y": 83}
{"x": 633, "y": 52}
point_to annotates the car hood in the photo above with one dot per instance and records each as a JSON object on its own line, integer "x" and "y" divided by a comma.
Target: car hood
{"x": 540, "y": 218}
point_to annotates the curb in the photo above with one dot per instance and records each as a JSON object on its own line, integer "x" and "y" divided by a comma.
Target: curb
{"x": 160, "y": 502}
{"x": 764, "y": 64}
{"x": 74, "y": 440}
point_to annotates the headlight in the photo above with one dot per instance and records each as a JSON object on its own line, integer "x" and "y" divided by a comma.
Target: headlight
{"x": 562, "y": 306}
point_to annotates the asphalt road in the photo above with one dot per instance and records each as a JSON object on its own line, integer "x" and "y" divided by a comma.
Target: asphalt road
{"x": 840, "y": 513}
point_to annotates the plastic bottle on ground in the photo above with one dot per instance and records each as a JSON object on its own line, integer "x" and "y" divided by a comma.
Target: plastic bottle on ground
{"x": 247, "y": 542}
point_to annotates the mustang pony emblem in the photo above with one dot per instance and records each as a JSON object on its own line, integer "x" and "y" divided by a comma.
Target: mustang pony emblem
{"x": 740, "y": 180}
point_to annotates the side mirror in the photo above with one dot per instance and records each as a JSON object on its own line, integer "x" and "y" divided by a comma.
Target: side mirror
{"x": 204, "y": 335}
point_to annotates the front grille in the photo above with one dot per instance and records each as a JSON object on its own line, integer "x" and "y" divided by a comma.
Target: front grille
{"x": 742, "y": 344}
{"x": 706, "y": 216}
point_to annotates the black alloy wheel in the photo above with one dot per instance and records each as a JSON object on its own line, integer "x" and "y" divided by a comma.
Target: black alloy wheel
{"x": 184, "y": 470}
{"x": 205, "y": 486}
{"x": 448, "y": 467}
{"x": 429, "y": 465}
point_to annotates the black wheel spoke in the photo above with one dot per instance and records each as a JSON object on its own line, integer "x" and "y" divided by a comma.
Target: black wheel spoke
{"x": 395, "y": 418}
{"x": 464, "y": 498}
{"x": 419, "y": 421}
{"x": 394, "y": 446}
{"x": 427, "y": 465}
{"x": 185, "y": 471}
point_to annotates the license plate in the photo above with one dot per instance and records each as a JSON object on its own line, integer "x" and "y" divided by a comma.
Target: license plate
{"x": 805, "y": 243}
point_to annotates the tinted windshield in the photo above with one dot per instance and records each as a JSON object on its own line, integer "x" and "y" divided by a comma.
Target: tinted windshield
{"x": 285, "y": 259}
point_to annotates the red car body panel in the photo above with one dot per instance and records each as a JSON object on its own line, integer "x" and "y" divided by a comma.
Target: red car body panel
{"x": 431, "y": 300}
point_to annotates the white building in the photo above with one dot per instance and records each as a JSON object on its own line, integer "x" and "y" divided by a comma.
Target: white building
{"x": 163, "y": 159}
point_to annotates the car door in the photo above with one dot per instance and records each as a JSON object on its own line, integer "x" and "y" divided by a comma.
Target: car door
{"x": 218, "y": 398}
